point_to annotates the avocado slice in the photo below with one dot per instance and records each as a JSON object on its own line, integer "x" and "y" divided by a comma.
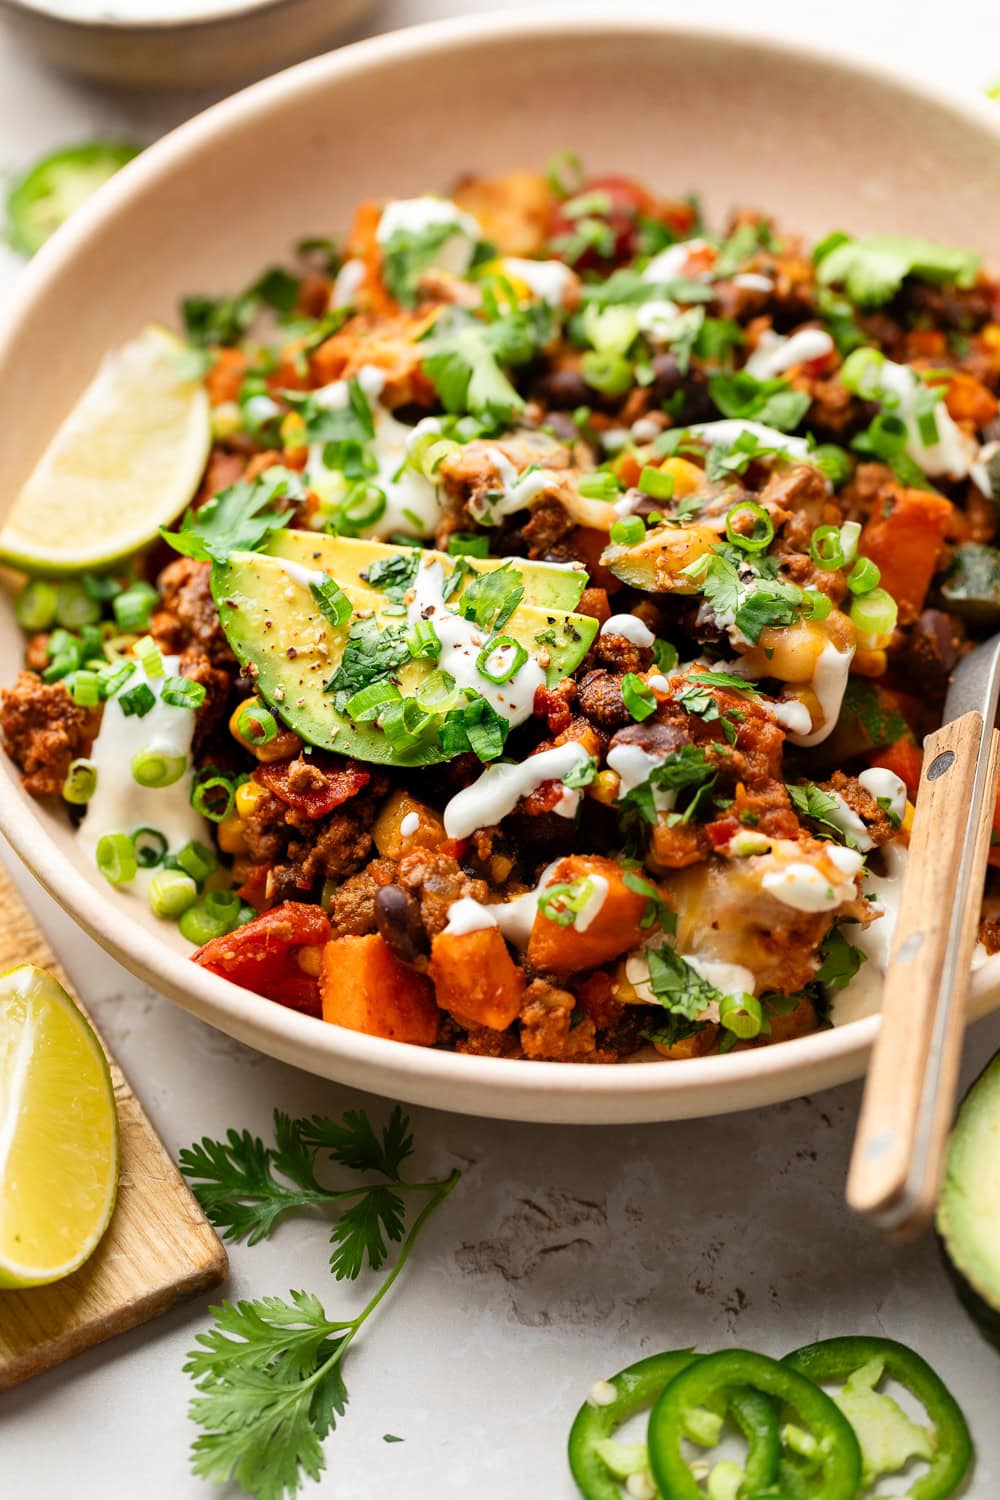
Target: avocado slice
{"x": 278, "y": 631}
{"x": 349, "y": 559}
{"x": 971, "y": 587}
{"x": 968, "y": 1213}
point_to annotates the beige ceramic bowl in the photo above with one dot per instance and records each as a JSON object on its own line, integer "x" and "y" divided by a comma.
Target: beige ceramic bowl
{"x": 178, "y": 43}
{"x": 820, "y": 142}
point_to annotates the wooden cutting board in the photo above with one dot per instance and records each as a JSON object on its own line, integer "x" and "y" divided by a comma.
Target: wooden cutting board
{"x": 159, "y": 1247}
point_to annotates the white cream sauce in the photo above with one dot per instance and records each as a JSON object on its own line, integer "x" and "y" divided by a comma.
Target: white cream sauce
{"x": 863, "y": 996}
{"x": 955, "y": 451}
{"x": 461, "y": 642}
{"x": 549, "y": 280}
{"x": 776, "y": 353}
{"x": 409, "y": 824}
{"x": 413, "y": 503}
{"x": 517, "y": 488}
{"x": 792, "y": 715}
{"x": 634, "y": 766}
{"x": 120, "y": 804}
{"x": 829, "y": 684}
{"x": 843, "y": 816}
{"x": 754, "y": 281}
{"x": 728, "y": 429}
{"x": 630, "y": 627}
{"x": 514, "y": 918}
{"x": 885, "y": 786}
{"x": 672, "y": 263}
{"x": 804, "y": 887}
{"x": 501, "y": 786}
{"x": 658, "y": 319}
{"x": 415, "y": 215}
{"x": 348, "y": 281}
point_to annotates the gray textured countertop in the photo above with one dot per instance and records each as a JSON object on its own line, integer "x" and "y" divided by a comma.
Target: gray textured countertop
{"x": 565, "y": 1253}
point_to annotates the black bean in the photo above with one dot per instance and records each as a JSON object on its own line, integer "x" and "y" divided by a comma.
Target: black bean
{"x": 563, "y": 390}
{"x": 397, "y": 916}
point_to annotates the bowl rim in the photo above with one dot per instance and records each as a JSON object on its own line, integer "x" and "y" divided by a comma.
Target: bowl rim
{"x": 840, "y": 1050}
{"x": 217, "y": 12}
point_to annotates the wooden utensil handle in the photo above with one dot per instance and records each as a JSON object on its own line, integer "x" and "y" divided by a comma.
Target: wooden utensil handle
{"x": 898, "y": 1151}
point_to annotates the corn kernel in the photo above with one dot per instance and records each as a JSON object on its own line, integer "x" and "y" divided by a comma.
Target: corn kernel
{"x": 230, "y": 835}
{"x": 310, "y": 958}
{"x": 908, "y": 817}
{"x": 247, "y": 797}
{"x": 227, "y": 421}
{"x": 605, "y": 787}
{"x": 869, "y": 663}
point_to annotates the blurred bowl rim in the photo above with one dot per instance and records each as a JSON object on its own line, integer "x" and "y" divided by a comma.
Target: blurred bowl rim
{"x": 550, "y": 1092}
{"x": 214, "y": 13}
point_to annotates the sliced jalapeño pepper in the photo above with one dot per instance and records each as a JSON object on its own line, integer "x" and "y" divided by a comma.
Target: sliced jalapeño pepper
{"x": 878, "y": 1419}
{"x": 837, "y": 1473}
{"x": 43, "y": 199}
{"x": 631, "y": 1390}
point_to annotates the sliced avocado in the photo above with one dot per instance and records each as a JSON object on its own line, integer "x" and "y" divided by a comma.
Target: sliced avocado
{"x": 968, "y": 1213}
{"x": 349, "y": 560}
{"x": 278, "y": 631}
{"x": 971, "y": 587}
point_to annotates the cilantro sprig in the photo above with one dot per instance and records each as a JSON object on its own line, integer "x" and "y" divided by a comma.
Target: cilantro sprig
{"x": 465, "y": 359}
{"x": 872, "y": 270}
{"x": 268, "y": 1373}
{"x": 238, "y": 519}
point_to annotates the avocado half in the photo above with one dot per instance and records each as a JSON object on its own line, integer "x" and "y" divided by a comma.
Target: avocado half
{"x": 968, "y": 1213}
{"x": 278, "y": 632}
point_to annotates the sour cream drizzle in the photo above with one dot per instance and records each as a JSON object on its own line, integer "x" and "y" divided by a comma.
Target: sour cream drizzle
{"x": 728, "y": 429}
{"x": 501, "y": 786}
{"x": 776, "y": 353}
{"x": 120, "y": 804}
{"x": 843, "y": 816}
{"x": 413, "y": 505}
{"x": 829, "y": 684}
{"x": 514, "y": 918}
{"x": 885, "y": 786}
{"x": 517, "y": 489}
{"x": 549, "y": 280}
{"x": 461, "y": 642}
{"x": 416, "y": 215}
{"x": 955, "y": 451}
{"x": 804, "y": 887}
{"x": 630, "y": 627}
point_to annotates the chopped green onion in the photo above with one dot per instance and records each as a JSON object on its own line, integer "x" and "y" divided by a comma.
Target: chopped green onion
{"x": 600, "y": 485}
{"x": 85, "y": 689}
{"x": 501, "y": 658}
{"x": 639, "y": 698}
{"x": 154, "y": 768}
{"x": 74, "y": 606}
{"x": 875, "y": 613}
{"x": 628, "y": 532}
{"x": 197, "y": 860}
{"x": 215, "y": 914}
{"x": 133, "y": 609}
{"x": 171, "y": 893}
{"x": 81, "y": 782}
{"x": 150, "y": 847}
{"x": 363, "y": 507}
{"x": 833, "y": 462}
{"x": 434, "y": 454}
{"x": 607, "y": 372}
{"x": 861, "y": 372}
{"x": 850, "y": 534}
{"x": 257, "y": 725}
{"x": 762, "y": 533}
{"x": 334, "y": 604}
{"x": 468, "y": 544}
{"x": 655, "y": 482}
{"x": 437, "y": 693}
{"x": 742, "y": 1015}
{"x": 665, "y": 655}
{"x": 35, "y": 605}
{"x": 213, "y": 797}
{"x": 367, "y": 703}
{"x": 101, "y": 586}
{"x": 404, "y": 724}
{"x": 181, "y": 692}
{"x": 137, "y": 700}
{"x": 818, "y": 606}
{"x": 826, "y": 549}
{"x": 117, "y": 677}
{"x": 116, "y": 858}
{"x": 423, "y": 640}
{"x": 864, "y": 576}
{"x": 148, "y": 655}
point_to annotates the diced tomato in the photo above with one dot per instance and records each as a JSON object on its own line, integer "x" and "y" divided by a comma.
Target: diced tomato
{"x": 545, "y": 798}
{"x": 819, "y": 366}
{"x": 262, "y": 955}
{"x": 342, "y": 779}
{"x": 455, "y": 847}
{"x": 254, "y": 889}
{"x": 552, "y": 705}
{"x": 722, "y": 831}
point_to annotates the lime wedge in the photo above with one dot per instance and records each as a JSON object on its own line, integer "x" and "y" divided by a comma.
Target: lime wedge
{"x": 58, "y": 1132}
{"x": 126, "y": 461}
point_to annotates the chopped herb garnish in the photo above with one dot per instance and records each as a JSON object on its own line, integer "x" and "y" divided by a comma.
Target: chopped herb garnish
{"x": 394, "y": 575}
{"x": 373, "y": 651}
{"x": 873, "y": 269}
{"x": 840, "y": 960}
{"x": 237, "y": 519}
{"x": 772, "y": 402}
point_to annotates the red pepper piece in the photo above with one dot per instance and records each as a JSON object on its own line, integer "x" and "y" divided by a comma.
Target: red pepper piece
{"x": 313, "y": 786}
{"x": 262, "y": 955}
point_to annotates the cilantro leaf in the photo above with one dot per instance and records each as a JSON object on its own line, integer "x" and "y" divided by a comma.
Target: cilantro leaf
{"x": 352, "y": 1142}
{"x": 394, "y": 575}
{"x": 234, "y": 1182}
{"x": 677, "y": 986}
{"x": 237, "y": 519}
{"x": 873, "y": 269}
{"x": 209, "y": 321}
{"x": 749, "y": 595}
{"x": 361, "y": 1231}
{"x": 465, "y": 355}
{"x": 581, "y": 774}
{"x": 686, "y": 769}
{"x": 840, "y": 960}
{"x": 407, "y": 254}
{"x": 821, "y": 807}
{"x": 772, "y": 402}
{"x": 372, "y": 652}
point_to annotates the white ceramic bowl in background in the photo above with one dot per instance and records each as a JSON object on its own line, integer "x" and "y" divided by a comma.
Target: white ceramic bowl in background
{"x": 818, "y": 141}
{"x": 178, "y": 43}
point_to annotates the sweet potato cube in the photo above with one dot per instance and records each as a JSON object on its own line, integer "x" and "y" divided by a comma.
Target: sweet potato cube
{"x": 476, "y": 979}
{"x": 365, "y": 988}
{"x": 614, "y": 928}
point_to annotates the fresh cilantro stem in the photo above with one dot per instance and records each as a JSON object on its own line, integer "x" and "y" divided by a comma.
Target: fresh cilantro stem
{"x": 267, "y": 1373}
